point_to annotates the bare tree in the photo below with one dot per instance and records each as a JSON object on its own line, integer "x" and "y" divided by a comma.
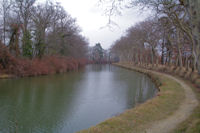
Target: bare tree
{"x": 5, "y": 10}
{"x": 182, "y": 14}
{"x": 38, "y": 29}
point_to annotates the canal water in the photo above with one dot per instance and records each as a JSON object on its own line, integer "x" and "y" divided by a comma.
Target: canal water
{"x": 66, "y": 103}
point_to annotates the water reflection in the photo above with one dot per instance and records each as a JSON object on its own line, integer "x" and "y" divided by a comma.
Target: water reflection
{"x": 72, "y": 101}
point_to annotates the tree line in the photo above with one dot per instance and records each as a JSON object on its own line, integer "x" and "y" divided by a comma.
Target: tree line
{"x": 32, "y": 29}
{"x": 39, "y": 39}
{"x": 170, "y": 37}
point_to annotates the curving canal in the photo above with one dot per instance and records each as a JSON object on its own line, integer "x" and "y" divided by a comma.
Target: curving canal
{"x": 70, "y": 102}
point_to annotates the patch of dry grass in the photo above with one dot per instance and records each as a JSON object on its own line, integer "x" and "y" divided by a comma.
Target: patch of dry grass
{"x": 4, "y": 76}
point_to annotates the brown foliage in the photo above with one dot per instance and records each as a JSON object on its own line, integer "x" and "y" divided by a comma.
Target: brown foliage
{"x": 5, "y": 57}
{"x": 47, "y": 65}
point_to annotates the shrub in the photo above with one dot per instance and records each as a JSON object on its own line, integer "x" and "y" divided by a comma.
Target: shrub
{"x": 38, "y": 66}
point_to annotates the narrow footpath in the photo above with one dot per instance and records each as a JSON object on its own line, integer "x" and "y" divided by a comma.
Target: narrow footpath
{"x": 169, "y": 124}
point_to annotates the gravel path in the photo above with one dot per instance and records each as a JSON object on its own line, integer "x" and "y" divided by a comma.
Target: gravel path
{"x": 169, "y": 124}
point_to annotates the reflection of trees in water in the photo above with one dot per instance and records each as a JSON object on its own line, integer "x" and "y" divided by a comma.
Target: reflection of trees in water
{"x": 36, "y": 104}
{"x": 47, "y": 104}
{"x": 139, "y": 87}
{"x": 98, "y": 68}
{"x": 146, "y": 89}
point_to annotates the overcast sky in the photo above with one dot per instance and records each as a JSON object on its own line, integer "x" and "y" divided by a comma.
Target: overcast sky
{"x": 91, "y": 18}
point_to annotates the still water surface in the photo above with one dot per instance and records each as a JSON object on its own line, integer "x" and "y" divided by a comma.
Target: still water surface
{"x": 67, "y": 103}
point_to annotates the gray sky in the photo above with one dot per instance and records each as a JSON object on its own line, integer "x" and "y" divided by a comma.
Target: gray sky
{"x": 91, "y": 18}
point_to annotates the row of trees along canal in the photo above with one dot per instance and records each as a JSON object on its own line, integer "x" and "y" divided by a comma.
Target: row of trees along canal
{"x": 32, "y": 33}
{"x": 171, "y": 37}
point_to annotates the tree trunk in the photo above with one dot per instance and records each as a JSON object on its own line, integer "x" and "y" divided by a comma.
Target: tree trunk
{"x": 152, "y": 57}
{"x": 4, "y": 29}
{"x": 169, "y": 59}
{"x": 193, "y": 8}
{"x": 186, "y": 63}
{"x": 136, "y": 57}
{"x": 162, "y": 55}
{"x": 179, "y": 50}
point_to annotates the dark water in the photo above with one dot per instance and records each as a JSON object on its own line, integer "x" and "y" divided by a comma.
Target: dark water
{"x": 70, "y": 102}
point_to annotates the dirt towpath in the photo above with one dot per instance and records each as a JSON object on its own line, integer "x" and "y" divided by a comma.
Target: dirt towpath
{"x": 169, "y": 124}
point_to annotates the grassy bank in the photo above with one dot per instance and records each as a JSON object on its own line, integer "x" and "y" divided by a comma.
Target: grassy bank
{"x": 141, "y": 117}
